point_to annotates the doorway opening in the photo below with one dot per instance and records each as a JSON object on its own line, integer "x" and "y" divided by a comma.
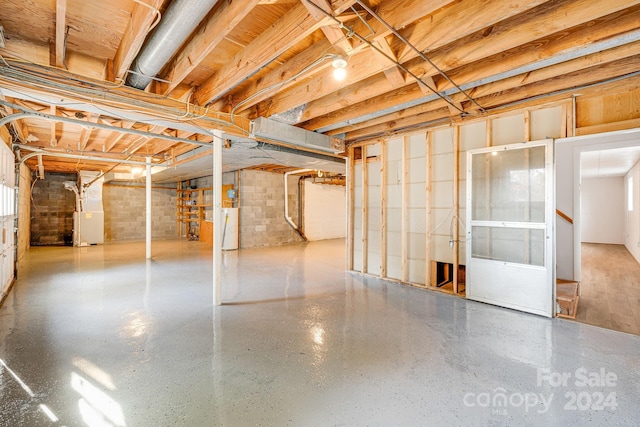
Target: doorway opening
{"x": 609, "y": 238}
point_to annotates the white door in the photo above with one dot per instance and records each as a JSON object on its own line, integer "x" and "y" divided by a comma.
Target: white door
{"x": 510, "y": 226}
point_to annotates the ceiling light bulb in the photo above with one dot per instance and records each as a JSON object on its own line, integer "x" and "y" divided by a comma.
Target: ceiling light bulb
{"x": 339, "y": 73}
{"x": 339, "y": 64}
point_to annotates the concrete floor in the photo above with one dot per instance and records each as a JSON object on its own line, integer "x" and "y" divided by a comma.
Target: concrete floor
{"x": 97, "y": 336}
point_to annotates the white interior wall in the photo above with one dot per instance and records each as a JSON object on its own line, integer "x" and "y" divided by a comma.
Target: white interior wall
{"x": 357, "y": 217}
{"x": 602, "y": 210}
{"x": 416, "y": 152}
{"x": 472, "y": 136}
{"x": 546, "y": 123}
{"x": 324, "y": 211}
{"x": 374, "y": 214}
{"x": 508, "y": 129}
{"x": 632, "y": 218}
{"x": 565, "y": 171}
{"x": 394, "y": 208}
{"x": 567, "y": 155}
{"x": 441, "y": 194}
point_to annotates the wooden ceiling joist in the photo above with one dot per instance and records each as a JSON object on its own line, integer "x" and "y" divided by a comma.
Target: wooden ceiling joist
{"x": 606, "y": 28}
{"x": 411, "y": 64}
{"x": 290, "y": 29}
{"x": 61, "y": 30}
{"x": 216, "y": 28}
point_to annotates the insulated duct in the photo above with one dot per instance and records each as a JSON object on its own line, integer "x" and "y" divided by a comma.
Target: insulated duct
{"x": 178, "y": 22}
{"x": 263, "y": 127}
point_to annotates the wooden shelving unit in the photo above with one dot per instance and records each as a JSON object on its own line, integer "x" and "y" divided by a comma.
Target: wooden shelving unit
{"x": 190, "y": 208}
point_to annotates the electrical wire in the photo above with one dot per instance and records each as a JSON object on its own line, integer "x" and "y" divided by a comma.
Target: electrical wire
{"x": 105, "y": 94}
{"x": 284, "y": 82}
{"x": 415, "y": 49}
{"x": 443, "y": 96}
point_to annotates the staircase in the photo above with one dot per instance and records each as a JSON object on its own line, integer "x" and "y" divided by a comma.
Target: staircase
{"x": 567, "y": 296}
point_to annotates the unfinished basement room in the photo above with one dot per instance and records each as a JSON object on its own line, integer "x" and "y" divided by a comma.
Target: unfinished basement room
{"x": 319, "y": 213}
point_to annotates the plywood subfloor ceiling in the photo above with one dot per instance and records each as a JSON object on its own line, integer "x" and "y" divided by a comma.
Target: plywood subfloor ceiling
{"x": 67, "y": 65}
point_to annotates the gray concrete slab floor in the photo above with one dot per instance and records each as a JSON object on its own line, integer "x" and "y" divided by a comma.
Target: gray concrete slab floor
{"x": 99, "y": 336}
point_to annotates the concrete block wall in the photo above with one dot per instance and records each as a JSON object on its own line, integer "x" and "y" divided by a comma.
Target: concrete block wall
{"x": 262, "y": 220}
{"x": 124, "y": 212}
{"x": 52, "y": 210}
{"x": 261, "y": 196}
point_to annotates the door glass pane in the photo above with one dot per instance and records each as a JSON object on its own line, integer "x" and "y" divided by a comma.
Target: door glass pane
{"x": 509, "y": 185}
{"x": 516, "y": 245}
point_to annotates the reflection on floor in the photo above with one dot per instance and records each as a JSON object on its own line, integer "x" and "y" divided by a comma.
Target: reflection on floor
{"x": 610, "y": 288}
{"x": 97, "y": 336}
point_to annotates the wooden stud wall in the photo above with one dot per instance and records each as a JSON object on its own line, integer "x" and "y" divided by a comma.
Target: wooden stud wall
{"x": 533, "y": 122}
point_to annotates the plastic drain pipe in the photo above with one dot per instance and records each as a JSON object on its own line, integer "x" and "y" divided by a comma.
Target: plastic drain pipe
{"x": 286, "y": 200}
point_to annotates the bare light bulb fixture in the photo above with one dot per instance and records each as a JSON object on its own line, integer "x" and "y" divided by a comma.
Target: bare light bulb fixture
{"x": 339, "y": 67}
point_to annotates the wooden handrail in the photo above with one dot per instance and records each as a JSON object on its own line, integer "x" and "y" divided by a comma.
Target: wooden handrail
{"x": 564, "y": 216}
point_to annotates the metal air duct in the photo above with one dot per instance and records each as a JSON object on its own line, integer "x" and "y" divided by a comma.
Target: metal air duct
{"x": 263, "y": 127}
{"x": 179, "y": 21}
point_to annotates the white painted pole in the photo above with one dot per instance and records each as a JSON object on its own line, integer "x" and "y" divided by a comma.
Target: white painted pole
{"x": 217, "y": 217}
{"x": 148, "y": 209}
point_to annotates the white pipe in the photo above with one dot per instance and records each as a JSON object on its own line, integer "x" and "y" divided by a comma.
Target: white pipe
{"x": 217, "y": 217}
{"x": 286, "y": 195}
{"x": 148, "y": 209}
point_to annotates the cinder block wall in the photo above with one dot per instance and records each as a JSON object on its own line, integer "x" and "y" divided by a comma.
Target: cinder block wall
{"x": 52, "y": 210}
{"x": 261, "y": 196}
{"x": 262, "y": 220}
{"x": 124, "y": 212}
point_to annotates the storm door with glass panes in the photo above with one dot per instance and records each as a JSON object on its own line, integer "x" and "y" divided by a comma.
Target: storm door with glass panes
{"x": 509, "y": 226}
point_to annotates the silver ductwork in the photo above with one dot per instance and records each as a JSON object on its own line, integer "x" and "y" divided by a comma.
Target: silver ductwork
{"x": 263, "y": 127}
{"x": 178, "y": 22}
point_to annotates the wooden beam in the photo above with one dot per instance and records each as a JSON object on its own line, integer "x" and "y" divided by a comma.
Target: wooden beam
{"x": 393, "y": 74}
{"x": 350, "y": 207}
{"x": 142, "y": 18}
{"x": 209, "y": 35}
{"x": 527, "y": 125}
{"x": 365, "y": 210}
{"x": 142, "y": 141}
{"x": 61, "y": 28}
{"x": 53, "y": 141}
{"x": 86, "y": 132}
{"x": 456, "y": 206}
{"x": 608, "y": 127}
{"x": 427, "y": 250}
{"x": 115, "y": 137}
{"x": 331, "y": 31}
{"x": 440, "y": 30}
{"x": 603, "y": 64}
{"x": 292, "y": 27}
{"x": 404, "y": 213}
{"x": 319, "y": 113}
{"x": 427, "y": 90}
{"x": 396, "y": 15}
{"x": 20, "y": 126}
